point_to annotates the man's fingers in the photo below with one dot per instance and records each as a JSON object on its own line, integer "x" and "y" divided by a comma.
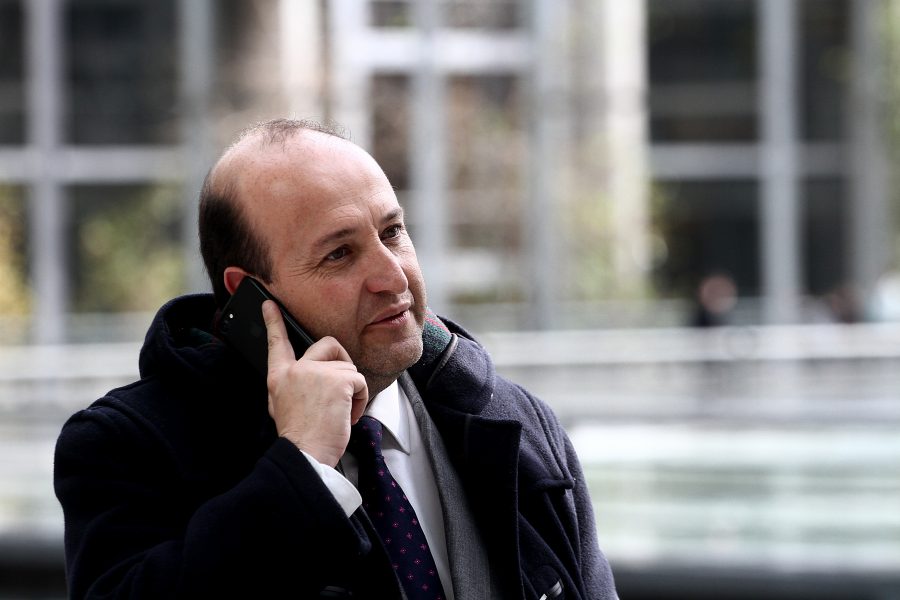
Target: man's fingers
{"x": 280, "y": 349}
{"x": 360, "y": 398}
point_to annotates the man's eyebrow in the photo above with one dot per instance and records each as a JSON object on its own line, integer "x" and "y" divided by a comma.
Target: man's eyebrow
{"x": 395, "y": 214}
{"x": 333, "y": 237}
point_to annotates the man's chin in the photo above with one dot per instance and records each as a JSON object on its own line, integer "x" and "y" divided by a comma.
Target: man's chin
{"x": 392, "y": 360}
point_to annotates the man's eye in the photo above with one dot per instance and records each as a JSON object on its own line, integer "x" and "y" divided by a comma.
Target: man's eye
{"x": 392, "y": 231}
{"x": 338, "y": 254}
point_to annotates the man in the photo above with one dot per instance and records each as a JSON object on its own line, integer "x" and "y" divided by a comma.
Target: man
{"x": 204, "y": 479}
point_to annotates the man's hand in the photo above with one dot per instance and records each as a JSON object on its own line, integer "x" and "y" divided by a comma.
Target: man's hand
{"x": 313, "y": 400}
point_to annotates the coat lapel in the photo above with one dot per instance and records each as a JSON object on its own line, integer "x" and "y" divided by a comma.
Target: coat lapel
{"x": 470, "y": 566}
{"x": 456, "y": 386}
{"x": 485, "y": 454}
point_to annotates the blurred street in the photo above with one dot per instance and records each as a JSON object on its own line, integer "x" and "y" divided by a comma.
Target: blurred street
{"x": 705, "y": 467}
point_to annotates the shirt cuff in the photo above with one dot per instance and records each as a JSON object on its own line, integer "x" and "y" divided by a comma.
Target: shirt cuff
{"x": 343, "y": 491}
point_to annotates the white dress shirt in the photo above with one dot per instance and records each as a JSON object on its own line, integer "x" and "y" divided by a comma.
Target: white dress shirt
{"x": 407, "y": 459}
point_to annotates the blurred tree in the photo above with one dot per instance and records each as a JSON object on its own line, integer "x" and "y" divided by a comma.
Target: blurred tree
{"x": 588, "y": 247}
{"x": 127, "y": 252}
{"x": 14, "y": 293}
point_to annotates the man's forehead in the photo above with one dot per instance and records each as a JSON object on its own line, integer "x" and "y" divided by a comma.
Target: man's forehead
{"x": 314, "y": 172}
{"x": 305, "y": 161}
{"x": 309, "y": 149}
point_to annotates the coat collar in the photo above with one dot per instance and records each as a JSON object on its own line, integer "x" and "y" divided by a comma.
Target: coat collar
{"x": 459, "y": 377}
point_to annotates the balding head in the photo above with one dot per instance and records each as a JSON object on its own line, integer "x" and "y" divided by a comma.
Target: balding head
{"x": 316, "y": 219}
{"x": 227, "y": 236}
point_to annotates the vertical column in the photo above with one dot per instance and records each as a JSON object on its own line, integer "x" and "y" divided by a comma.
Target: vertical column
{"x": 196, "y": 18}
{"x": 47, "y": 222}
{"x": 548, "y": 142}
{"x": 428, "y": 155}
{"x": 778, "y": 160}
{"x": 624, "y": 48}
{"x": 869, "y": 220}
{"x": 301, "y": 57}
{"x": 348, "y": 80}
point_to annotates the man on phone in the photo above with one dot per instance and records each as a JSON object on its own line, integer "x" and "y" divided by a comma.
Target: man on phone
{"x": 386, "y": 461}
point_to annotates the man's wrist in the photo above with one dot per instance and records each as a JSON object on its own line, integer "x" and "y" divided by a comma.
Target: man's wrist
{"x": 344, "y": 492}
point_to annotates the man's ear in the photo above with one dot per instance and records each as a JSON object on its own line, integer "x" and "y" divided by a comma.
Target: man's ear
{"x": 233, "y": 277}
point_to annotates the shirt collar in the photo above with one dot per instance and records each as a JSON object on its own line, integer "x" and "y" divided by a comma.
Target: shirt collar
{"x": 389, "y": 407}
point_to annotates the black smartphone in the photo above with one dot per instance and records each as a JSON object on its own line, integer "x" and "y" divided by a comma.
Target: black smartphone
{"x": 243, "y": 327}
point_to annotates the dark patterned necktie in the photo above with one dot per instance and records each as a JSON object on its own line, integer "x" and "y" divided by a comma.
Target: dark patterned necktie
{"x": 393, "y": 516}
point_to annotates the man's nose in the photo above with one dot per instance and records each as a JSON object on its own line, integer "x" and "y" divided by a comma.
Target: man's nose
{"x": 386, "y": 272}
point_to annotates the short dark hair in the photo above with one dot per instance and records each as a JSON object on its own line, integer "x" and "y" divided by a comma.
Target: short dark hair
{"x": 226, "y": 237}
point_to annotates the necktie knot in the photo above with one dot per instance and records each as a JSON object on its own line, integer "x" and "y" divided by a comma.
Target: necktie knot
{"x": 365, "y": 439}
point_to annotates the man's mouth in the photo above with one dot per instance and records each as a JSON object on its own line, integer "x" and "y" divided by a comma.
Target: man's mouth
{"x": 391, "y": 315}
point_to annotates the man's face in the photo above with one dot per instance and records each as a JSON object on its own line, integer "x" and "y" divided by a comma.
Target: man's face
{"x": 344, "y": 264}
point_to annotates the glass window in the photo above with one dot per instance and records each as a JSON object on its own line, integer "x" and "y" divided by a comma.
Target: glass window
{"x": 826, "y": 215}
{"x": 391, "y": 116}
{"x": 12, "y": 93}
{"x": 824, "y": 68}
{"x": 391, "y": 13}
{"x": 246, "y": 77}
{"x": 483, "y": 14}
{"x": 126, "y": 249}
{"x": 15, "y": 298}
{"x": 486, "y": 156}
{"x": 702, "y": 70}
{"x": 121, "y": 71}
{"x": 475, "y": 14}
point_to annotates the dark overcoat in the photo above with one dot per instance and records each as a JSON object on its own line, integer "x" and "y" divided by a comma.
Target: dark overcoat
{"x": 177, "y": 486}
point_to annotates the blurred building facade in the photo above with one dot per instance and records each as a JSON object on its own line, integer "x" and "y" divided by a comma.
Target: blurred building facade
{"x": 564, "y": 164}
{"x": 579, "y": 163}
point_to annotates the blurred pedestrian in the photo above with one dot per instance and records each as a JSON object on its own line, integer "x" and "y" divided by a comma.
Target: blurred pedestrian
{"x": 715, "y": 299}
